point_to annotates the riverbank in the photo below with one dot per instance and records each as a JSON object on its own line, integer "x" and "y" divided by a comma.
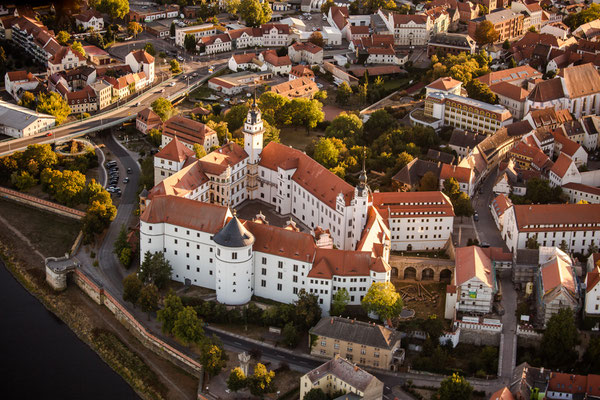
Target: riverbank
{"x": 148, "y": 374}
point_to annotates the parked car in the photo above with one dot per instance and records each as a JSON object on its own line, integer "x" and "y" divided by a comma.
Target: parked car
{"x": 126, "y": 180}
{"x": 476, "y": 216}
{"x": 179, "y": 58}
{"x": 129, "y": 171}
{"x": 172, "y": 84}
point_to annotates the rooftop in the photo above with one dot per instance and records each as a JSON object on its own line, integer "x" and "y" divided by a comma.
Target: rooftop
{"x": 357, "y": 332}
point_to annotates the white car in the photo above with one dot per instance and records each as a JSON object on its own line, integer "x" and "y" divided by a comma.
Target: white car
{"x": 179, "y": 58}
{"x": 172, "y": 84}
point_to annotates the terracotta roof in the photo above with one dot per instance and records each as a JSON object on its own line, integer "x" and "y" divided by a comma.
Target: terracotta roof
{"x": 500, "y": 204}
{"x": 141, "y": 56}
{"x": 281, "y": 28}
{"x": 330, "y": 262}
{"x": 567, "y": 383}
{"x": 461, "y": 174}
{"x": 307, "y": 46}
{"x": 502, "y": 394}
{"x": 14, "y": 76}
{"x": 404, "y": 19}
{"x": 339, "y": 16}
{"x": 149, "y": 117}
{"x": 228, "y": 155}
{"x": 94, "y": 51}
{"x": 544, "y": 91}
{"x": 549, "y": 116}
{"x": 510, "y": 75}
{"x": 282, "y": 242}
{"x": 357, "y": 332}
{"x": 182, "y": 182}
{"x": 208, "y": 40}
{"x": 405, "y": 204}
{"x": 359, "y": 30}
{"x": 471, "y": 262}
{"x": 302, "y": 71}
{"x": 381, "y": 50}
{"x": 301, "y": 87}
{"x": 511, "y": 91}
{"x": 445, "y": 83}
{"x": 561, "y": 165}
{"x": 568, "y": 146}
{"x": 186, "y": 129}
{"x": 271, "y": 57}
{"x": 58, "y": 57}
{"x": 175, "y": 151}
{"x": 312, "y": 176}
{"x": 192, "y": 214}
{"x": 547, "y": 217}
{"x": 375, "y": 233}
{"x": 592, "y": 278}
{"x": 580, "y": 187}
{"x": 581, "y": 80}
{"x": 236, "y": 33}
{"x": 86, "y": 15}
{"x": 245, "y": 58}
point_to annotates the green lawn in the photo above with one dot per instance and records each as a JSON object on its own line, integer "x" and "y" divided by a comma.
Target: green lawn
{"x": 395, "y": 84}
{"x": 296, "y": 137}
{"x": 201, "y": 93}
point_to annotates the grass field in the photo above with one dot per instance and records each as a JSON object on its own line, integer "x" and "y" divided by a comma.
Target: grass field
{"x": 296, "y": 137}
{"x": 395, "y": 84}
{"x": 52, "y": 235}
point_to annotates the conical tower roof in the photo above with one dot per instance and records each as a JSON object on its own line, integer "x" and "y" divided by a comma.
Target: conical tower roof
{"x": 234, "y": 234}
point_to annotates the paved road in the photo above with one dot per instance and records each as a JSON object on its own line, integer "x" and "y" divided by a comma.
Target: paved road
{"x": 486, "y": 227}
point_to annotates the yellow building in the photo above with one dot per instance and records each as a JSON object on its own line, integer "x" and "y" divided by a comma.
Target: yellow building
{"x": 339, "y": 374}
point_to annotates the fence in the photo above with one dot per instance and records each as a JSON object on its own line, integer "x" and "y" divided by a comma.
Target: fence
{"x": 101, "y": 297}
{"x": 41, "y": 204}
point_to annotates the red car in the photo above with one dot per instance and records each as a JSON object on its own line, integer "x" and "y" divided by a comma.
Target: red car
{"x": 49, "y": 134}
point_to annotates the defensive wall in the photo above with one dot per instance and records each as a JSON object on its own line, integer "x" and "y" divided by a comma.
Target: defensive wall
{"x": 41, "y": 204}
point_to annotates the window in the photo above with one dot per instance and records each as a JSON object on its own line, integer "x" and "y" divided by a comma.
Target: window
{"x": 280, "y": 275}
{"x": 280, "y": 264}
{"x": 323, "y": 343}
{"x": 263, "y": 283}
{"x": 234, "y": 255}
{"x": 264, "y": 271}
{"x": 264, "y": 260}
{"x": 279, "y": 287}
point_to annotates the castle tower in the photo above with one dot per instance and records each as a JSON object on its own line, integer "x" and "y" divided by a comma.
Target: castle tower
{"x": 361, "y": 203}
{"x": 253, "y": 145}
{"x": 234, "y": 263}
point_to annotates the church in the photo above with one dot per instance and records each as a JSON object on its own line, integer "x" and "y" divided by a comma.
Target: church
{"x": 190, "y": 216}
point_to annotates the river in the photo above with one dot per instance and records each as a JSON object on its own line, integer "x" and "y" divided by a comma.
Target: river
{"x": 41, "y": 357}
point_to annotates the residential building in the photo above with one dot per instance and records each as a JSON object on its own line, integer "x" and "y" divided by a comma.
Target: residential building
{"x": 198, "y": 31}
{"x": 416, "y": 220}
{"x": 17, "y": 82}
{"x": 461, "y": 112}
{"x": 82, "y": 101}
{"x": 507, "y": 23}
{"x": 246, "y": 61}
{"x": 576, "y": 224}
{"x": 157, "y": 29}
{"x": 90, "y": 19}
{"x": 189, "y": 133}
{"x": 307, "y": 52}
{"x": 502, "y": 394}
{"x": 532, "y": 14}
{"x": 409, "y": 29}
{"x": 275, "y": 35}
{"x": 499, "y": 205}
{"x": 150, "y": 12}
{"x": 570, "y": 386}
{"x": 570, "y": 148}
{"x": 564, "y": 171}
{"x": 215, "y": 43}
{"x": 465, "y": 177}
{"x": 33, "y": 37}
{"x": 579, "y": 192}
{"x": 338, "y": 375}
{"x": 96, "y": 55}
{"x": 103, "y": 92}
{"x": 515, "y": 76}
{"x": 276, "y": 64}
{"x": 592, "y": 292}
{"x": 443, "y": 44}
{"x": 363, "y": 343}
{"x": 20, "y": 122}
{"x": 475, "y": 280}
{"x": 65, "y": 59}
{"x": 141, "y": 61}
{"x": 409, "y": 177}
{"x": 301, "y": 71}
{"x": 147, "y": 120}
{"x": 462, "y": 142}
{"x": 238, "y": 82}
{"x": 296, "y": 88}
{"x": 556, "y": 284}
{"x": 512, "y": 97}
{"x": 382, "y": 55}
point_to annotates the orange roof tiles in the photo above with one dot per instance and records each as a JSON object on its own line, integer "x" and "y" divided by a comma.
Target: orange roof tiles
{"x": 192, "y": 214}
{"x": 228, "y": 155}
{"x": 510, "y": 75}
{"x": 581, "y": 80}
{"x": 502, "y": 394}
{"x": 444, "y": 83}
{"x": 186, "y": 129}
{"x": 330, "y": 262}
{"x": 141, "y": 56}
{"x": 567, "y": 383}
{"x": 548, "y": 217}
{"x": 399, "y": 204}
{"x": 461, "y": 174}
{"x": 297, "y": 88}
{"x": 312, "y": 176}
{"x": 282, "y": 242}
{"x": 471, "y": 262}
{"x": 511, "y": 91}
{"x": 592, "y": 278}
{"x": 561, "y": 165}
{"x": 175, "y": 151}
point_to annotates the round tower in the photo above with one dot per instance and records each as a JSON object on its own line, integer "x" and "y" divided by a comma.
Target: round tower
{"x": 234, "y": 263}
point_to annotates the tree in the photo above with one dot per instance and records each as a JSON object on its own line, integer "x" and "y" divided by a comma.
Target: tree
{"x": 345, "y": 126}
{"x": 559, "y": 341}
{"x": 212, "y": 358}
{"x": 236, "y": 116}
{"x": 379, "y": 122}
{"x": 189, "y": 43}
{"x": 28, "y": 100}
{"x": 163, "y": 108}
{"x": 132, "y": 287}
{"x": 321, "y": 95}
{"x": 126, "y": 256}
{"x": 169, "y": 313}
{"x": 343, "y": 93}
{"x": 339, "y": 302}
{"x": 326, "y": 153}
{"x": 254, "y": 13}
{"x": 63, "y": 37}
{"x": 199, "y": 150}
{"x": 383, "y": 300}
{"x": 237, "y": 380}
{"x": 23, "y": 180}
{"x": 512, "y": 63}
{"x": 134, "y": 28}
{"x": 308, "y": 311}
{"x": 221, "y": 128}
{"x": 506, "y": 44}
{"x": 455, "y": 387}
{"x": 480, "y": 91}
{"x": 462, "y": 205}
{"x": 326, "y": 6}
{"x": 148, "y": 300}
{"x": 591, "y": 357}
{"x": 305, "y": 112}
{"x": 155, "y": 269}
{"x": 232, "y": 6}
{"x": 532, "y": 243}
{"x": 315, "y": 394}
{"x": 155, "y": 137}
{"x": 78, "y": 48}
{"x": 290, "y": 335}
{"x": 188, "y": 327}
{"x": 67, "y": 187}
{"x": 403, "y": 160}
{"x": 175, "y": 67}
{"x": 272, "y": 106}
{"x": 52, "y": 103}
{"x": 261, "y": 381}
{"x": 483, "y": 10}
{"x": 486, "y": 33}
{"x": 121, "y": 241}
{"x": 149, "y": 48}
{"x": 362, "y": 93}
{"x": 114, "y": 8}
{"x": 591, "y": 13}
{"x": 428, "y": 182}
{"x": 564, "y": 246}
{"x": 317, "y": 39}
{"x": 271, "y": 134}
{"x": 592, "y": 248}
{"x": 172, "y": 30}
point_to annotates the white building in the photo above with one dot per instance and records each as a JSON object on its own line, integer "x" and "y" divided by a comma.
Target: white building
{"x": 475, "y": 280}
{"x": 141, "y": 61}
{"x": 19, "y": 122}
{"x": 550, "y": 224}
{"x": 416, "y": 220}
{"x": 409, "y": 30}
{"x": 579, "y": 192}
{"x": 308, "y": 53}
{"x": 65, "y": 59}
{"x": 564, "y": 171}
{"x": 198, "y": 31}
{"x": 17, "y": 82}
{"x": 592, "y": 292}
{"x": 215, "y": 43}
{"x": 90, "y": 19}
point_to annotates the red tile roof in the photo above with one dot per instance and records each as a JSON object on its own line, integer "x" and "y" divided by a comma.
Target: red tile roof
{"x": 461, "y": 174}
{"x": 406, "y": 204}
{"x": 282, "y": 242}
{"x": 561, "y": 165}
{"x": 445, "y": 83}
{"x": 186, "y": 129}
{"x": 567, "y": 383}
{"x": 141, "y": 56}
{"x": 228, "y": 155}
{"x": 547, "y": 217}
{"x": 592, "y": 279}
{"x": 511, "y": 91}
{"x": 175, "y": 151}
{"x": 471, "y": 262}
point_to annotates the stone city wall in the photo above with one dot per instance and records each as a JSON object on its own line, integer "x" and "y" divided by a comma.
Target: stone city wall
{"x": 45, "y": 205}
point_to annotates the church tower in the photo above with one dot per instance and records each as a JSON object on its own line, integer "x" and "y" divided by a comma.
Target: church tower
{"x": 362, "y": 202}
{"x": 253, "y": 145}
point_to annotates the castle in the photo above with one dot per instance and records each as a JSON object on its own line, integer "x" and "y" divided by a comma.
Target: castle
{"x": 188, "y": 216}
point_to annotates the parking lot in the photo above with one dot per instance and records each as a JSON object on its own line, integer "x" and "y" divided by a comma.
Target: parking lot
{"x": 313, "y": 22}
{"x": 121, "y": 49}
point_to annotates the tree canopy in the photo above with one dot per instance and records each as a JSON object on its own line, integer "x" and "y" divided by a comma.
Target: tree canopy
{"x": 261, "y": 381}
{"x": 175, "y": 67}
{"x": 114, "y": 8}
{"x": 54, "y": 104}
{"x": 28, "y": 100}
{"x": 78, "y": 48}
{"x": 163, "y": 108}
{"x": 559, "y": 340}
{"x": 317, "y": 39}
{"x": 343, "y": 93}
{"x": 63, "y": 37}
{"x": 187, "y": 328}
{"x": 591, "y": 13}
{"x": 345, "y": 125}
{"x": 383, "y": 300}
{"x": 148, "y": 299}
{"x": 132, "y": 287}
{"x": 189, "y": 42}
{"x": 254, "y": 12}
{"x": 237, "y": 380}
{"x": 455, "y": 387}
{"x": 480, "y": 91}
{"x": 486, "y": 33}
{"x": 170, "y": 312}
{"x": 134, "y": 28}
{"x": 339, "y": 302}
{"x": 155, "y": 269}
{"x": 428, "y": 182}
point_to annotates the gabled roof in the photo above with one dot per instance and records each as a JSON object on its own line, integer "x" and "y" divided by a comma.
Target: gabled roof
{"x": 568, "y": 146}
{"x": 357, "y": 332}
{"x": 282, "y": 242}
{"x": 502, "y": 394}
{"x": 549, "y": 90}
{"x": 444, "y": 83}
{"x": 461, "y": 174}
{"x": 592, "y": 279}
{"x": 330, "y": 262}
{"x": 511, "y": 91}
{"x": 186, "y": 129}
{"x": 510, "y": 75}
{"x": 228, "y": 155}
{"x": 175, "y": 151}
{"x": 471, "y": 262}
{"x": 346, "y": 372}
{"x": 561, "y": 165}
{"x": 530, "y": 218}
{"x": 141, "y": 56}
{"x": 581, "y": 80}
